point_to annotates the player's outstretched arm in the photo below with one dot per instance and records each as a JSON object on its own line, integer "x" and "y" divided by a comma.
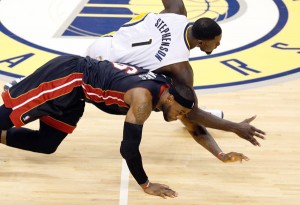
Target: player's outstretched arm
{"x": 174, "y": 6}
{"x": 202, "y": 136}
{"x": 243, "y": 129}
{"x": 183, "y": 73}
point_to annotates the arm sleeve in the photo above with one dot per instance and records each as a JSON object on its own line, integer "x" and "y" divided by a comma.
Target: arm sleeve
{"x": 132, "y": 135}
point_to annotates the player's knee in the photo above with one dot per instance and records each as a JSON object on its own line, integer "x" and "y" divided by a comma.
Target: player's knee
{"x": 49, "y": 141}
{"x": 51, "y": 150}
{"x": 47, "y": 147}
{"x": 47, "y": 150}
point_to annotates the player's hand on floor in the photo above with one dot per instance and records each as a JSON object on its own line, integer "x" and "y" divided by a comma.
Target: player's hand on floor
{"x": 160, "y": 190}
{"x": 249, "y": 132}
{"x": 233, "y": 157}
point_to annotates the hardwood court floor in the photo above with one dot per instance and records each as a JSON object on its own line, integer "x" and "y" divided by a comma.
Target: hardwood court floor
{"x": 86, "y": 169}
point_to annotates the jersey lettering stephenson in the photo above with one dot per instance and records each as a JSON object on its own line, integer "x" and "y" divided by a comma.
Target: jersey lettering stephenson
{"x": 165, "y": 39}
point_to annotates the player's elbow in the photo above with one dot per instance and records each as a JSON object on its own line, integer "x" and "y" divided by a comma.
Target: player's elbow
{"x": 176, "y": 7}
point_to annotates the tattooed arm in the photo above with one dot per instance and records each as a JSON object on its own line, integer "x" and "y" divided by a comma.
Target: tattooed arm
{"x": 202, "y": 136}
{"x": 140, "y": 101}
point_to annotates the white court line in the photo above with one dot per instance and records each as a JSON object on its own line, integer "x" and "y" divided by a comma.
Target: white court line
{"x": 124, "y": 184}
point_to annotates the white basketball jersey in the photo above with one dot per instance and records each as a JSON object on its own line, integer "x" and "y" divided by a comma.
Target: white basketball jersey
{"x": 149, "y": 41}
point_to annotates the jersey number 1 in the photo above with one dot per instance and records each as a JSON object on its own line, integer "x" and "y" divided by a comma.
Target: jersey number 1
{"x": 142, "y": 43}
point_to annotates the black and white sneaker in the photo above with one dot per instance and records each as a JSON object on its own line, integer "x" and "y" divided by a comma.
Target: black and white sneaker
{"x": 12, "y": 83}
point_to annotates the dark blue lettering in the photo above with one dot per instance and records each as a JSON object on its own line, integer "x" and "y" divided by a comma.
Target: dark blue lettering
{"x": 16, "y": 60}
{"x": 229, "y": 63}
{"x": 161, "y": 53}
{"x": 284, "y": 46}
{"x": 166, "y": 35}
{"x": 158, "y": 57}
{"x": 157, "y": 22}
{"x": 163, "y": 49}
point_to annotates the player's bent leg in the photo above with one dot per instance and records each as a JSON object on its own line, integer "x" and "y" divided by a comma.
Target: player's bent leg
{"x": 45, "y": 140}
{"x": 5, "y": 122}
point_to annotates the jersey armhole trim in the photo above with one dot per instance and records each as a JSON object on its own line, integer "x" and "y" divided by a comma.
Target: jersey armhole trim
{"x": 185, "y": 36}
{"x": 136, "y": 22}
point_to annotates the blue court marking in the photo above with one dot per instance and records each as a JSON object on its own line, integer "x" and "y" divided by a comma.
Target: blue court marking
{"x": 4, "y": 30}
{"x": 105, "y": 10}
{"x": 105, "y": 25}
{"x": 10, "y": 74}
{"x": 23, "y": 41}
{"x": 282, "y": 20}
{"x": 283, "y": 17}
{"x": 233, "y": 8}
{"x": 97, "y": 25}
{"x": 270, "y": 77}
{"x": 80, "y": 32}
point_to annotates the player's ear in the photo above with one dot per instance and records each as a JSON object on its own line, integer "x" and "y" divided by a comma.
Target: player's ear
{"x": 170, "y": 98}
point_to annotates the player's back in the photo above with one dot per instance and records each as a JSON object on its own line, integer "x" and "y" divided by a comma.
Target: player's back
{"x": 105, "y": 84}
{"x": 149, "y": 41}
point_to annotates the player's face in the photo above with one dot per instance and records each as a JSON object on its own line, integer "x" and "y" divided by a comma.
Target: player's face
{"x": 173, "y": 111}
{"x": 208, "y": 46}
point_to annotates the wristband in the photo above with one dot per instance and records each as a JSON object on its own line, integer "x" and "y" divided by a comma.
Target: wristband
{"x": 220, "y": 154}
{"x": 147, "y": 185}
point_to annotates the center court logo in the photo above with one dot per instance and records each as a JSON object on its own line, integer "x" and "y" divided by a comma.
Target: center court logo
{"x": 257, "y": 44}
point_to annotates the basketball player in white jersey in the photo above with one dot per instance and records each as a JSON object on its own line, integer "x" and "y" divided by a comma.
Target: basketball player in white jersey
{"x": 158, "y": 41}
{"x": 162, "y": 43}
